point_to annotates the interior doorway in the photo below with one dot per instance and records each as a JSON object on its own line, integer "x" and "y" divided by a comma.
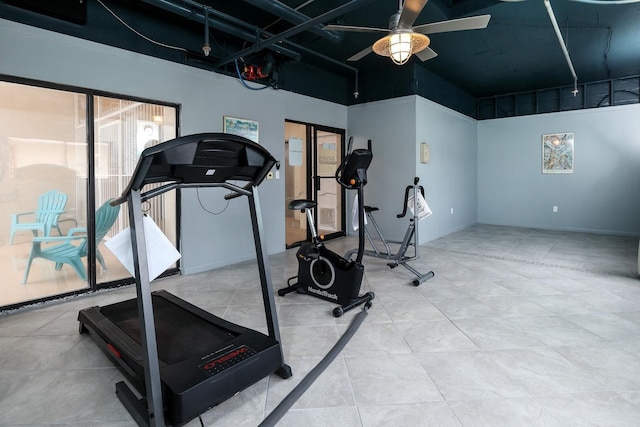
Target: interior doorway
{"x": 312, "y": 156}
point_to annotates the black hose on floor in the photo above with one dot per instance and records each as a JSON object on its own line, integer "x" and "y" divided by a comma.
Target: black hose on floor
{"x": 309, "y": 379}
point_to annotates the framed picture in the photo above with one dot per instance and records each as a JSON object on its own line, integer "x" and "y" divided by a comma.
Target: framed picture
{"x": 557, "y": 153}
{"x": 241, "y": 127}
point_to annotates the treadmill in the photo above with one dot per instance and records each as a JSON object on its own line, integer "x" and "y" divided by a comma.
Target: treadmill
{"x": 179, "y": 358}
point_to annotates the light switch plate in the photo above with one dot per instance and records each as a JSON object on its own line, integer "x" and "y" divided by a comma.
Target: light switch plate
{"x": 425, "y": 155}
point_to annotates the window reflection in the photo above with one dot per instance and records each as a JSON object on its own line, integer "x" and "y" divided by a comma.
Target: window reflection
{"x": 44, "y": 152}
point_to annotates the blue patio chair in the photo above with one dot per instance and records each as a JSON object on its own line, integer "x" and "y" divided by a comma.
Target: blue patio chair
{"x": 50, "y": 206}
{"x": 62, "y": 250}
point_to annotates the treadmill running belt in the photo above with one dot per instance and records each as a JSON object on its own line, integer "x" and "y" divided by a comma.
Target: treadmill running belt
{"x": 180, "y": 334}
{"x": 204, "y": 359}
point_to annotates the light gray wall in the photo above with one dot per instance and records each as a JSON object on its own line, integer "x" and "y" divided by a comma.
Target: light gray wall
{"x": 397, "y": 127}
{"x": 450, "y": 177}
{"x": 503, "y": 155}
{"x": 207, "y": 241}
{"x": 390, "y": 125}
{"x": 600, "y": 196}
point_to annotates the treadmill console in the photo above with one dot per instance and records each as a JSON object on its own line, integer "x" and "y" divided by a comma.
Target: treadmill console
{"x": 205, "y": 158}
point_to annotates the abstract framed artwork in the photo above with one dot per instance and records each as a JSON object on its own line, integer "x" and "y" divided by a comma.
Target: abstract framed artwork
{"x": 557, "y": 153}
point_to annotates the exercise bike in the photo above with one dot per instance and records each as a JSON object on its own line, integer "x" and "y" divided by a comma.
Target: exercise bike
{"x": 410, "y": 236}
{"x": 321, "y": 272}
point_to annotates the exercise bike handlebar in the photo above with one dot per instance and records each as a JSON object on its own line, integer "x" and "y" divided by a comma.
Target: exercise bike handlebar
{"x": 406, "y": 196}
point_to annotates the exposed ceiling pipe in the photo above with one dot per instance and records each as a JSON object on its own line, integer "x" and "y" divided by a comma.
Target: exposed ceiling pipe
{"x": 552, "y": 16}
{"x": 300, "y": 6}
{"x": 353, "y": 4}
{"x": 206, "y": 47}
{"x": 295, "y": 17}
{"x": 235, "y": 31}
{"x": 193, "y": 14}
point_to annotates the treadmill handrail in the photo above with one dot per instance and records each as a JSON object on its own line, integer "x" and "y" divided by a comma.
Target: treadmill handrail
{"x": 237, "y": 191}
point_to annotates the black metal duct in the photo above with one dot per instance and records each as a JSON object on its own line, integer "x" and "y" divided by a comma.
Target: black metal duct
{"x": 295, "y": 17}
{"x": 283, "y": 36}
{"x": 195, "y": 11}
{"x": 190, "y": 11}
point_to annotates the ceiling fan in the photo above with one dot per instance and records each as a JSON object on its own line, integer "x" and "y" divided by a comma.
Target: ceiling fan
{"x": 403, "y": 39}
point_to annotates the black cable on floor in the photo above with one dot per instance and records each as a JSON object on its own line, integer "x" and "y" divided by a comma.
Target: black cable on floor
{"x": 306, "y": 382}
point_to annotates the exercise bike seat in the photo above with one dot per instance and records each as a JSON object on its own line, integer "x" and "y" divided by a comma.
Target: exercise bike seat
{"x": 369, "y": 209}
{"x": 301, "y": 204}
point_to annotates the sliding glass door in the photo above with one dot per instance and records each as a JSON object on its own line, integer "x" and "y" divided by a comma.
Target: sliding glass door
{"x": 53, "y": 157}
{"x": 123, "y": 128}
{"x": 43, "y": 186}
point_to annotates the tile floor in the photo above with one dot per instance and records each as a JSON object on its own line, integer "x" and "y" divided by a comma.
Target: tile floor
{"x": 518, "y": 327}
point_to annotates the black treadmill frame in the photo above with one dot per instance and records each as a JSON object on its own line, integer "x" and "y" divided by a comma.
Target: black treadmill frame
{"x": 174, "y": 162}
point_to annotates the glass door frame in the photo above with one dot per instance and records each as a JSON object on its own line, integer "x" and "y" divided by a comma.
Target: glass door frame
{"x": 310, "y": 166}
{"x": 88, "y": 134}
{"x": 92, "y": 185}
{"x": 314, "y": 185}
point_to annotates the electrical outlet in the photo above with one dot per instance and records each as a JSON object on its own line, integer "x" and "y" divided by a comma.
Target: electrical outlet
{"x": 555, "y": 209}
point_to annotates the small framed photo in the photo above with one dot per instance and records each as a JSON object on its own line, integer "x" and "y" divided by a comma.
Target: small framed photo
{"x": 557, "y": 153}
{"x": 241, "y": 127}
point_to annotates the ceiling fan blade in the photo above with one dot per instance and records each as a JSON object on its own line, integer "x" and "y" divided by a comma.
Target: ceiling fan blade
{"x": 355, "y": 29}
{"x": 426, "y": 54}
{"x": 410, "y": 11}
{"x": 361, "y": 54}
{"x": 471, "y": 23}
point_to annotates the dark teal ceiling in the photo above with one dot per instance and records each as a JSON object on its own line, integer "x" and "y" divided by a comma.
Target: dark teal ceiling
{"x": 517, "y": 52}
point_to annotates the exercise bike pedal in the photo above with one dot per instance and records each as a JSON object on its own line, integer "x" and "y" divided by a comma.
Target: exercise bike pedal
{"x": 291, "y": 287}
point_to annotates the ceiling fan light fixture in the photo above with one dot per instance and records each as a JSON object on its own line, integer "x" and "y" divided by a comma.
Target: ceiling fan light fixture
{"x": 400, "y": 45}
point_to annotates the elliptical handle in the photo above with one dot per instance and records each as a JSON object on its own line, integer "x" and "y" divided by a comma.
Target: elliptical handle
{"x": 406, "y": 195}
{"x": 406, "y": 201}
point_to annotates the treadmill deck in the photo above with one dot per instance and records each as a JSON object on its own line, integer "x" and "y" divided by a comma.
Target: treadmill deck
{"x": 204, "y": 359}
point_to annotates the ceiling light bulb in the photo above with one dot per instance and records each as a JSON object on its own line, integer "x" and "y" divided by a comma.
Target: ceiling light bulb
{"x": 400, "y": 47}
{"x": 206, "y": 49}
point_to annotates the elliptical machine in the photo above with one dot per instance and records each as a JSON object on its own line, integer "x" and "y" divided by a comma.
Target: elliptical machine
{"x": 410, "y": 237}
{"x": 321, "y": 272}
